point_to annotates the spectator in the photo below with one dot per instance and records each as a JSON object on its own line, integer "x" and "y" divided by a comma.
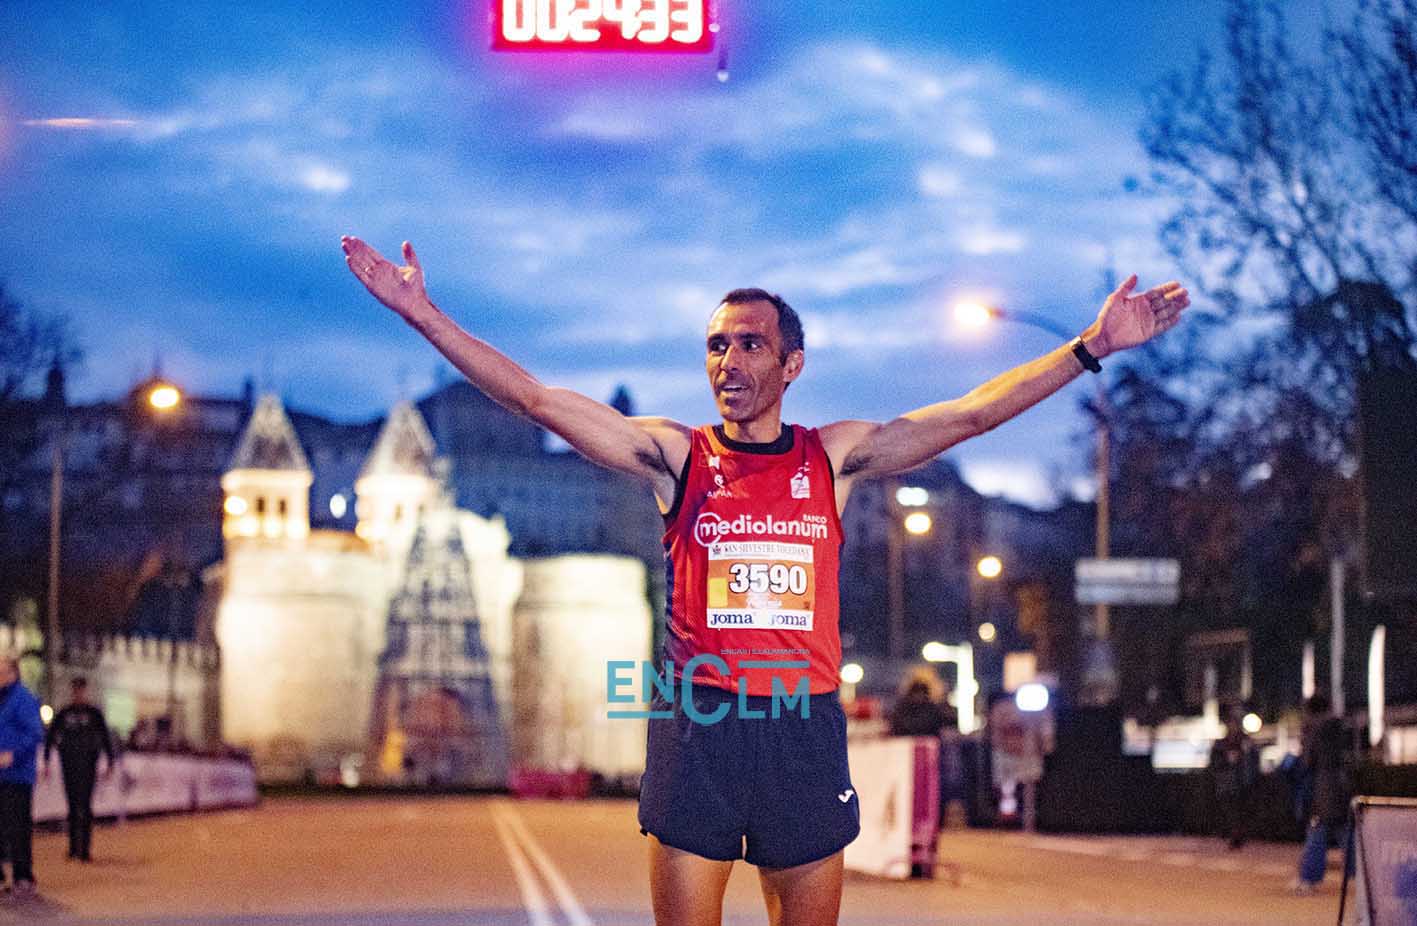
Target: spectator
{"x": 80, "y": 733}
{"x": 1233, "y": 769}
{"x": 917, "y": 713}
{"x": 1329, "y": 765}
{"x": 21, "y": 732}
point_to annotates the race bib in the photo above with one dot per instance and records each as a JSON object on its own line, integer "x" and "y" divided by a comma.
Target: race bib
{"x": 760, "y": 584}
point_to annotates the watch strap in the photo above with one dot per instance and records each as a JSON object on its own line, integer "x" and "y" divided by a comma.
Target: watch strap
{"x": 1084, "y": 356}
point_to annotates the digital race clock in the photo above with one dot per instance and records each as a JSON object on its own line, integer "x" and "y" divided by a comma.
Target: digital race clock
{"x": 603, "y": 25}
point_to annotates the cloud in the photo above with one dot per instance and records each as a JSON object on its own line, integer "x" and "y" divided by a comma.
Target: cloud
{"x": 324, "y": 132}
{"x": 826, "y": 93}
{"x": 1020, "y": 480}
{"x": 974, "y": 141}
{"x": 982, "y": 241}
{"x": 867, "y": 184}
{"x": 939, "y": 181}
{"x": 322, "y": 178}
{"x": 604, "y": 125}
{"x": 845, "y": 271}
{"x": 81, "y": 122}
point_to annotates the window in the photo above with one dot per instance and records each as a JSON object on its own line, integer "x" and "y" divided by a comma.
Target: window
{"x": 282, "y": 507}
{"x": 260, "y": 504}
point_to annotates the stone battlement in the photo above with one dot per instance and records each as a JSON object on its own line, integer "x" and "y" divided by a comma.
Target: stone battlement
{"x": 91, "y": 649}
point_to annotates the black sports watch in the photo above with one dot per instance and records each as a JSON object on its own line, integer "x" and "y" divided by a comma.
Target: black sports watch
{"x": 1084, "y": 356}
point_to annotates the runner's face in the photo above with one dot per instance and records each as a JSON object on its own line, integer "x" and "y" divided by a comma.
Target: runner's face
{"x": 744, "y": 369}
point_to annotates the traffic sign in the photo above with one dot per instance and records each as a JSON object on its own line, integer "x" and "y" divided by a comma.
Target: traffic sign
{"x": 1127, "y": 581}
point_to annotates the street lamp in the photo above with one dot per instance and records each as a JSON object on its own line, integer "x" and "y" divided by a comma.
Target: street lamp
{"x": 976, "y": 315}
{"x": 161, "y": 396}
{"x": 912, "y": 496}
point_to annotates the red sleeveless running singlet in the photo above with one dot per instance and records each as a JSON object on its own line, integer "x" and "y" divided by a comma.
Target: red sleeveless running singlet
{"x": 751, "y": 557}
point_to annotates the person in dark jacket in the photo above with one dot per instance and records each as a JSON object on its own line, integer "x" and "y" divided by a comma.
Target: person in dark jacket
{"x": 1234, "y": 769}
{"x": 1330, "y": 768}
{"x": 21, "y": 731}
{"x": 917, "y": 713}
{"x": 80, "y": 733}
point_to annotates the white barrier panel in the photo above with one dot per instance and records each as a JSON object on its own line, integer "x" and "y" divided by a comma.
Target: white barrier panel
{"x": 144, "y": 782}
{"x": 1386, "y": 867}
{"x": 897, "y": 782}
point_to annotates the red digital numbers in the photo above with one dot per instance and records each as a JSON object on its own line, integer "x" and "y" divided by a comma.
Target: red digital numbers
{"x": 603, "y": 25}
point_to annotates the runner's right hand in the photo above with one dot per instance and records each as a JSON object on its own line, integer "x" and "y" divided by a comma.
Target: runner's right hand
{"x": 399, "y": 288}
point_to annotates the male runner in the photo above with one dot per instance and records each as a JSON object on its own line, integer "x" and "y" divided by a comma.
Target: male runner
{"x": 751, "y": 540}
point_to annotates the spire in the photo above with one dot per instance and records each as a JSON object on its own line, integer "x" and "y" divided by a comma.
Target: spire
{"x": 269, "y": 441}
{"x": 404, "y": 446}
{"x": 621, "y": 401}
{"x": 54, "y": 394}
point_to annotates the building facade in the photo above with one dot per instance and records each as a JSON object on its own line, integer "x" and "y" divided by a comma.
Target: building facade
{"x": 388, "y": 652}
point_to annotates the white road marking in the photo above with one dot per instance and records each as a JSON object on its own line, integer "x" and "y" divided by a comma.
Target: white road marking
{"x": 564, "y": 896}
{"x": 532, "y": 898}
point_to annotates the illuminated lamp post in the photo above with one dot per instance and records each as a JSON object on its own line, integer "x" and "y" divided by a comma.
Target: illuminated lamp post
{"x": 161, "y": 397}
{"x": 989, "y": 568}
{"x": 164, "y": 398}
{"x": 902, "y": 517}
{"x": 966, "y": 684}
{"x": 977, "y": 315}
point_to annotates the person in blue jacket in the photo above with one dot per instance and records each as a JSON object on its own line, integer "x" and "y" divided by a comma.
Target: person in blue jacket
{"x": 21, "y": 732}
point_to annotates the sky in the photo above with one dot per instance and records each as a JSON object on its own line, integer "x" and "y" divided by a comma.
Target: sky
{"x": 872, "y": 162}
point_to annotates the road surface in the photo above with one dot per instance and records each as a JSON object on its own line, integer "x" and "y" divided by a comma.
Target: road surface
{"x": 489, "y": 861}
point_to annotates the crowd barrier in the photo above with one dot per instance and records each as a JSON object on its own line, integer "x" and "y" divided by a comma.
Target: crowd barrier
{"x": 898, "y": 792}
{"x": 1385, "y": 834}
{"x": 152, "y": 782}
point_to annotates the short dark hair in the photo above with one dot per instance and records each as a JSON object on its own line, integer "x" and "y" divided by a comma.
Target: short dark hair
{"x": 1318, "y": 703}
{"x": 78, "y": 681}
{"x": 788, "y": 322}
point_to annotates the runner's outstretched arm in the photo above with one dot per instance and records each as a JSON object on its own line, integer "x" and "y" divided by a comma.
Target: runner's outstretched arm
{"x": 864, "y": 448}
{"x": 652, "y": 449}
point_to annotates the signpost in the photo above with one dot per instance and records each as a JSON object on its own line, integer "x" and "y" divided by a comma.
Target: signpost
{"x": 1127, "y": 581}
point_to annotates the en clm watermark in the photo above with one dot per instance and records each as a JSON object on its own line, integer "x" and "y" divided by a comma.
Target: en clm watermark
{"x": 619, "y": 675}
